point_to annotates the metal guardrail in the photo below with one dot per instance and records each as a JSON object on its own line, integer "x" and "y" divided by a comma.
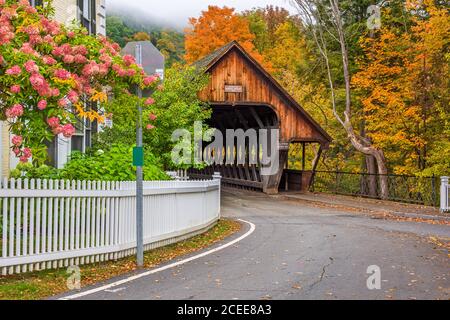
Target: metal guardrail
{"x": 401, "y": 188}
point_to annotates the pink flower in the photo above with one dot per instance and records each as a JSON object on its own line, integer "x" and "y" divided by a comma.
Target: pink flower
{"x": 80, "y": 58}
{"x": 49, "y": 39}
{"x": 17, "y": 141}
{"x": 150, "y": 127}
{"x": 49, "y": 60}
{"x": 15, "y": 111}
{"x": 129, "y": 60}
{"x": 116, "y": 47}
{"x": 149, "y": 101}
{"x": 37, "y": 81}
{"x": 53, "y": 122}
{"x": 27, "y": 152}
{"x": 36, "y": 39}
{"x": 82, "y": 50}
{"x": 103, "y": 69}
{"x": 106, "y": 59}
{"x": 31, "y": 67}
{"x": 152, "y": 117}
{"x": 73, "y": 96}
{"x": 68, "y": 59}
{"x": 15, "y": 88}
{"x": 30, "y": 10}
{"x": 71, "y": 34}
{"x": 62, "y": 74}
{"x": 149, "y": 80}
{"x": 58, "y": 51}
{"x": 31, "y": 30}
{"x": 57, "y": 130}
{"x": 68, "y": 130}
{"x": 62, "y": 103}
{"x": 28, "y": 49}
{"x": 131, "y": 72}
{"x": 66, "y": 48}
{"x": 14, "y": 71}
{"x": 16, "y": 151}
{"x": 55, "y": 92}
{"x": 23, "y": 159}
{"x": 9, "y": 12}
{"x": 42, "y": 105}
{"x": 91, "y": 69}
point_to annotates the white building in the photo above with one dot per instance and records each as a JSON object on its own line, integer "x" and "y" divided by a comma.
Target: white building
{"x": 92, "y": 15}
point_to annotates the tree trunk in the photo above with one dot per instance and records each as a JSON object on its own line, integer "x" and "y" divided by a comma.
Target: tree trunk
{"x": 371, "y": 167}
{"x": 360, "y": 144}
{"x": 308, "y": 9}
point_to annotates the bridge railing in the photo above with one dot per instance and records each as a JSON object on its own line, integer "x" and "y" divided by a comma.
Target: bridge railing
{"x": 46, "y": 224}
{"x": 401, "y": 188}
{"x": 445, "y": 194}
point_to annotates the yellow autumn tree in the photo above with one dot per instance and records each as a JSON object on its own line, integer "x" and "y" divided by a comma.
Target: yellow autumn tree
{"x": 403, "y": 80}
{"x": 288, "y": 50}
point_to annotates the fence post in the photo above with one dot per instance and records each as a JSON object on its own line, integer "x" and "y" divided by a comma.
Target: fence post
{"x": 433, "y": 190}
{"x": 217, "y": 177}
{"x": 444, "y": 194}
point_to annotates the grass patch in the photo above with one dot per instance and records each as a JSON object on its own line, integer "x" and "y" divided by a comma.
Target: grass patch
{"x": 42, "y": 284}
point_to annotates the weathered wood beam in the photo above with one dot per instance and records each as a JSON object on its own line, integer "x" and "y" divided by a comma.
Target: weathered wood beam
{"x": 303, "y": 156}
{"x": 257, "y": 118}
{"x": 315, "y": 164}
{"x": 242, "y": 119}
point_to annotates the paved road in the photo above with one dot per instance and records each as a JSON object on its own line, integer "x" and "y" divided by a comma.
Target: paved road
{"x": 303, "y": 252}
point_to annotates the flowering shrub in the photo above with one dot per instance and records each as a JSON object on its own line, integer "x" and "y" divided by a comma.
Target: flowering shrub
{"x": 49, "y": 71}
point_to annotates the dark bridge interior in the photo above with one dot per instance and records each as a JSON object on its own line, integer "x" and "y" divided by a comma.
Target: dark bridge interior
{"x": 236, "y": 117}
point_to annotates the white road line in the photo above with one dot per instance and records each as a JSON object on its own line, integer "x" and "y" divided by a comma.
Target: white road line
{"x": 170, "y": 266}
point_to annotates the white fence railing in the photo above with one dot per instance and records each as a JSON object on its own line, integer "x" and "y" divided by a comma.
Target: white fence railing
{"x": 49, "y": 224}
{"x": 445, "y": 194}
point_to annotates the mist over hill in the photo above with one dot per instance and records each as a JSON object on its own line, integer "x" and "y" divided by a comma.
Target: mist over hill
{"x": 125, "y": 24}
{"x": 142, "y": 19}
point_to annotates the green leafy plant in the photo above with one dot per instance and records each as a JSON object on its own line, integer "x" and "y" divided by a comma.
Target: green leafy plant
{"x": 114, "y": 164}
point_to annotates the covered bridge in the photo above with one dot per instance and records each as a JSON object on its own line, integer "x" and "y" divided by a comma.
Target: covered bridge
{"x": 245, "y": 96}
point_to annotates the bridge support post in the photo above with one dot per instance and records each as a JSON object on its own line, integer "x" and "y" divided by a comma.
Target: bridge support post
{"x": 271, "y": 183}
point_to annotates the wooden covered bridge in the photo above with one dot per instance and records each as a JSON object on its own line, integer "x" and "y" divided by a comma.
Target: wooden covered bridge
{"x": 245, "y": 96}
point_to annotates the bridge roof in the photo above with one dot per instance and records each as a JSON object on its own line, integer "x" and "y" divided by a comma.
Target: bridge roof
{"x": 209, "y": 61}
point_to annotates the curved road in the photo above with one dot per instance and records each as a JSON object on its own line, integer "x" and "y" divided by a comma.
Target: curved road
{"x": 299, "y": 251}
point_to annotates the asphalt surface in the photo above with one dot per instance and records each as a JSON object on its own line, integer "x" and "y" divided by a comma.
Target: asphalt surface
{"x": 299, "y": 251}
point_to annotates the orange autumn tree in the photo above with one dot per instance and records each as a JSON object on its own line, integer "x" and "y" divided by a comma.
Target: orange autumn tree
{"x": 215, "y": 28}
{"x": 403, "y": 84}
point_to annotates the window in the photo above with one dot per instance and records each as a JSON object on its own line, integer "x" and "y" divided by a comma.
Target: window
{"x": 36, "y": 3}
{"x": 88, "y": 14}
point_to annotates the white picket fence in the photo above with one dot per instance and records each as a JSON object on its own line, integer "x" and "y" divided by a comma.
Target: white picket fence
{"x": 445, "y": 194}
{"x": 50, "y": 224}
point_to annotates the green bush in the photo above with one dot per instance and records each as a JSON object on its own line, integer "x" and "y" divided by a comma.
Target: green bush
{"x": 114, "y": 164}
{"x": 27, "y": 170}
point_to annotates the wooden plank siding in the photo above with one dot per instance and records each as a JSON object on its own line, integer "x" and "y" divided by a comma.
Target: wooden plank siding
{"x": 235, "y": 67}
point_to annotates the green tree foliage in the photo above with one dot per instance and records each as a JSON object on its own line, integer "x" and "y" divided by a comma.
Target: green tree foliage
{"x": 176, "y": 107}
{"x": 117, "y": 30}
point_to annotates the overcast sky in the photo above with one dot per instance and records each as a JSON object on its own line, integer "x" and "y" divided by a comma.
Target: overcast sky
{"x": 177, "y": 12}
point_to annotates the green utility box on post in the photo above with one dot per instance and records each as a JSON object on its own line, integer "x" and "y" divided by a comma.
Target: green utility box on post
{"x": 138, "y": 157}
